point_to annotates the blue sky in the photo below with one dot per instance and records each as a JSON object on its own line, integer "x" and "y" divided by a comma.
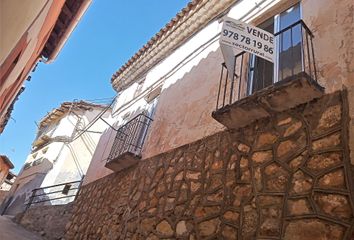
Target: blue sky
{"x": 109, "y": 34}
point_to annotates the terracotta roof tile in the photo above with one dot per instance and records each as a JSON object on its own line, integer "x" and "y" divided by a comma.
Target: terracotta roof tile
{"x": 64, "y": 107}
{"x": 189, "y": 20}
{"x": 158, "y": 35}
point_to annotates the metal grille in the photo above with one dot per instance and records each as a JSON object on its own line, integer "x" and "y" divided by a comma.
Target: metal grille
{"x": 54, "y": 195}
{"x": 241, "y": 84}
{"x": 130, "y": 137}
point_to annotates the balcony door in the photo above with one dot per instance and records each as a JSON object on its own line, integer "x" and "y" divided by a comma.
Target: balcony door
{"x": 263, "y": 73}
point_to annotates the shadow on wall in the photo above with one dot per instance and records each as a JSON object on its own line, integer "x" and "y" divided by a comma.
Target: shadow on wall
{"x": 15, "y": 202}
{"x": 111, "y": 133}
{"x": 104, "y": 146}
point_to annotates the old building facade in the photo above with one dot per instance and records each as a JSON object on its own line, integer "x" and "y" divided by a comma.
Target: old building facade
{"x": 283, "y": 177}
{"x": 197, "y": 150}
{"x": 185, "y": 56}
{"x": 61, "y": 153}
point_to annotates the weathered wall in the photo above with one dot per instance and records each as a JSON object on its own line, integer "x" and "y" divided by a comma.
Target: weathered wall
{"x": 332, "y": 23}
{"x": 65, "y": 162}
{"x": 48, "y": 221}
{"x": 97, "y": 167}
{"x": 19, "y": 193}
{"x": 285, "y": 177}
{"x": 192, "y": 98}
{"x": 190, "y": 75}
{"x": 183, "y": 114}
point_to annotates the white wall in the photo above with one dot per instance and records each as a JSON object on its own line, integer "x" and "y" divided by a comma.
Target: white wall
{"x": 75, "y": 157}
{"x": 65, "y": 161}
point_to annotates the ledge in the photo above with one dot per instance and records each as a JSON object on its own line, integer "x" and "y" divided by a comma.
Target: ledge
{"x": 123, "y": 161}
{"x": 283, "y": 95}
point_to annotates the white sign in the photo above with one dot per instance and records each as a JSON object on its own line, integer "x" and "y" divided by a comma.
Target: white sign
{"x": 248, "y": 38}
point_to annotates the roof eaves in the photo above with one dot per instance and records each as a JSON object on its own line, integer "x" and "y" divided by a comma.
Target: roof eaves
{"x": 187, "y": 22}
{"x": 7, "y": 161}
{"x": 59, "y": 112}
{"x": 173, "y": 22}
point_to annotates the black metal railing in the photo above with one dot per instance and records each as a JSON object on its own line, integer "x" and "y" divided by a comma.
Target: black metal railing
{"x": 130, "y": 137}
{"x": 55, "y": 194}
{"x": 295, "y": 55}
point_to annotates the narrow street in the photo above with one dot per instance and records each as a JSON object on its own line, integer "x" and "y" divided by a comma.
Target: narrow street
{"x": 12, "y": 231}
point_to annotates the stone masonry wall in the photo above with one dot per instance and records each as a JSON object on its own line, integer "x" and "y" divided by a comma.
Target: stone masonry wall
{"x": 286, "y": 177}
{"x": 47, "y": 221}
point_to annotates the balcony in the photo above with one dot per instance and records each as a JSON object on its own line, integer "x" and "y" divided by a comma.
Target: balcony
{"x": 128, "y": 143}
{"x": 256, "y": 88}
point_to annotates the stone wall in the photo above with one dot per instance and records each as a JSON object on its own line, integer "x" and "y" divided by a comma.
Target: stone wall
{"x": 285, "y": 177}
{"x": 48, "y": 221}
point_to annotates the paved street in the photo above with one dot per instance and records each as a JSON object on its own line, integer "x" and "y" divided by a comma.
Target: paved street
{"x": 12, "y": 231}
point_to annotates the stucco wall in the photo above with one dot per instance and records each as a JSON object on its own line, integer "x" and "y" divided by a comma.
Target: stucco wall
{"x": 97, "y": 169}
{"x": 284, "y": 177}
{"x": 332, "y": 23}
{"x": 74, "y": 158}
{"x": 64, "y": 162}
{"x": 184, "y": 110}
{"x": 189, "y": 76}
{"x": 20, "y": 192}
{"x": 19, "y": 18}
{"x": 183, "y": 114}
{"x": 30, "y": 45}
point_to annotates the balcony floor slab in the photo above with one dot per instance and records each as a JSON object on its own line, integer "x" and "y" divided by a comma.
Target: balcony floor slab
{"x": 123, "y": 161}
{"x": 278, "y": 97}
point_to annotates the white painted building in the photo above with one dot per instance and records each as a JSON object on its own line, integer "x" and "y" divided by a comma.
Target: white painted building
{"x": 61, "y": 153}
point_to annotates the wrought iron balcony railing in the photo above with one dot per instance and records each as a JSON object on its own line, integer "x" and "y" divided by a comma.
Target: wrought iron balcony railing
{"x": 295, "y": 56}
{"x": 130, "y": 137}
{"x": 54, "y": 195}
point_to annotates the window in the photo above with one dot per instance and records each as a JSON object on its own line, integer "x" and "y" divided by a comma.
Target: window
{"x": 26, "y": 166}
{"x": 289, "y": 43}
{"x": 139, "y": 89}
{"x": 44, "y": 151}
{"x": 126, "y": 117}
{"x": 263, "y": 73}
{"x": 153, "y": 94}
{"x": 37, "y": 162}
{"x": 66, "y": 189}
